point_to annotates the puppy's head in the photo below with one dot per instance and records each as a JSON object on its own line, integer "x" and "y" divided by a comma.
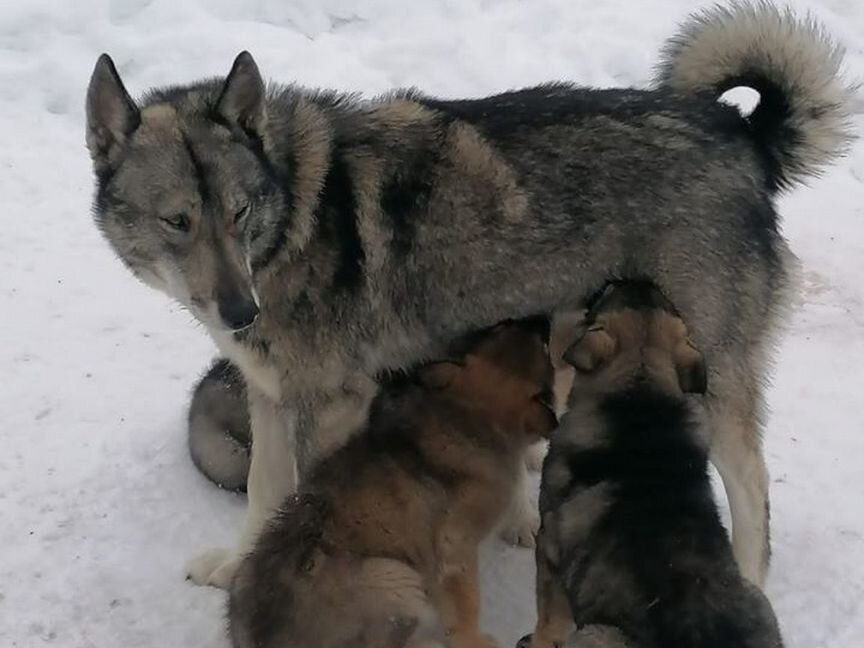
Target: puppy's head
{"x": 632, "y": 334}
{"x": 505, "y": 372}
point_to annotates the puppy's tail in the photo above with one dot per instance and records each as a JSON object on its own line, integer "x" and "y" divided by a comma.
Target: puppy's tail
{"x": 219, "y": 434}
{"x": 802, "y": 120}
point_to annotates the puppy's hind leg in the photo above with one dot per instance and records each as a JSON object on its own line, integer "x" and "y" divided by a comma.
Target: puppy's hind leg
{"x": 392, "y": 597}
{"x": 736, "y": 451}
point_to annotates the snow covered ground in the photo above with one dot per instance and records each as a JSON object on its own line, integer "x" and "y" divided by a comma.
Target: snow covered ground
{"x": 99, "y": 504}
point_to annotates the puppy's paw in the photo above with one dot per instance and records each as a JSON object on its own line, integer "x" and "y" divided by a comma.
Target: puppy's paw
{"x": 466, "y": 640}
{"x": 521, "y": 528}
{"x": 535, "y": 455}
{"x": 214, "y": 567}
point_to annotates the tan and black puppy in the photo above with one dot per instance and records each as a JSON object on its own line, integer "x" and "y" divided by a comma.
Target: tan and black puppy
{"x": 380, "y": 545}
{"x": 631, "y": 535}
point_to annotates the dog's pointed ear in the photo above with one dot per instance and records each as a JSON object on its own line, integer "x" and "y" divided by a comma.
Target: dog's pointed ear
{"x": 594, "y": 348}
{"x": 691, "y": 370}
{"x": 112, "y": 116}
{"x": 243, "y": 98}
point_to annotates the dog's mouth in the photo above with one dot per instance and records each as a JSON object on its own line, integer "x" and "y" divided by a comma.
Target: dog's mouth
{"x": 546, "y": 400}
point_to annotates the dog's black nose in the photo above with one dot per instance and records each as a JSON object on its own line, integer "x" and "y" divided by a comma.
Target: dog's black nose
{"x": 237, "y": 314}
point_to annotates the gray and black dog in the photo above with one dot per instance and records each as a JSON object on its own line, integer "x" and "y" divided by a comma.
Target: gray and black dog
{"x": 631, "y": 535}
{"x": 321, "y": 238}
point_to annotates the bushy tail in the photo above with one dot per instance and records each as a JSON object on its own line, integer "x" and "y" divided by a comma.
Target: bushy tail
{"x": 219, "y": 434}
{"x": 802, "y": 121}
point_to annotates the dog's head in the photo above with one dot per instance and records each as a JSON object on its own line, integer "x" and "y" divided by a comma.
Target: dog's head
{"x": 505, "y": 372}
{"x": 184, "y": 188}
{"x": 633, "y": 333}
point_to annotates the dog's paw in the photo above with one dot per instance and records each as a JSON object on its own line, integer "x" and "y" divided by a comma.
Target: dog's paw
{"x": 214, "y": 567}
{"x": 521, "y": 528}
{"x": 535, "y": 455}
{"x": 522, "y": 534}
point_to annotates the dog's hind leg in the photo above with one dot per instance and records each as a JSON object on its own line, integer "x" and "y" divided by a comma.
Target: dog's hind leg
{"x": 736, "y": 451}
{"x": 391, "y": 598}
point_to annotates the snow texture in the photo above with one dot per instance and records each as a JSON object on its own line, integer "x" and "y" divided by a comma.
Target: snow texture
{"x": 100, "y": 505}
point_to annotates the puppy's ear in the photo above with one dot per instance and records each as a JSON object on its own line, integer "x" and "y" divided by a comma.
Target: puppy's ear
{"x": 112, "y": 116}
{"x": 438, "y": 375}
{"x": 539, "y": 421}
{"x": 590, "y": 351}
{"x": 691, "y": 370}
{"x": 243, "y": 97}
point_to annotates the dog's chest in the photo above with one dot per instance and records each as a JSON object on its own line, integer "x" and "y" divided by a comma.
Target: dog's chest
{"x": 257, "y": 370}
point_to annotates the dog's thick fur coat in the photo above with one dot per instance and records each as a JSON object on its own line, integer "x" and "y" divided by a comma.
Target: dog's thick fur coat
{"x": 371, "y": 233}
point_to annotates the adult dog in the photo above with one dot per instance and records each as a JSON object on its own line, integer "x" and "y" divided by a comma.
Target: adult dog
{"x": 321, "y": 238}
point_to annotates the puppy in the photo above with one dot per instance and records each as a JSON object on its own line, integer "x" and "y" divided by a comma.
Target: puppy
{"x": 631, "y": 536}
{"x": 380, "y": 545}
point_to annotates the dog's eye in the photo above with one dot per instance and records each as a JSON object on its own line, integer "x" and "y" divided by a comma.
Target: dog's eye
{"x": 241, "y": 213}
{"x": 179, "y": 222}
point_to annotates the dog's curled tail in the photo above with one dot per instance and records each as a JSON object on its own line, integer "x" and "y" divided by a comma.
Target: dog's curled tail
{"x": 219, "y": 431}
{"x": 802, "y": 120}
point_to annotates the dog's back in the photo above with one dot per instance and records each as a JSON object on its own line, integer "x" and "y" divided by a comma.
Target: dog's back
{"x": 631, "y": 531}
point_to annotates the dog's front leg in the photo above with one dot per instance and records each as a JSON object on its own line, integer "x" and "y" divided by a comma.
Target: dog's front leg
{"x": 273, "y": 471}
{"x": 522, "y": 519}
{"x": 272, "y": 478}
{"x": 554, "y": 618}
{"x": 456, "y": 588}
{"x": 458, "y": 594}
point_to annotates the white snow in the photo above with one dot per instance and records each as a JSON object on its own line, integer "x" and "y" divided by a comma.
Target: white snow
{"x": 99, "y": 504}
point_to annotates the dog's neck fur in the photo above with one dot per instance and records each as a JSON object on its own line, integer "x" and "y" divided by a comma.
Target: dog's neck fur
{"x": 357, "y": 174}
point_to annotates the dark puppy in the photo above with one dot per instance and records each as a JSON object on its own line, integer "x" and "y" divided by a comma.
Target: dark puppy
{"x": 631, "y": 535}
{"x": 383, "y": 536}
